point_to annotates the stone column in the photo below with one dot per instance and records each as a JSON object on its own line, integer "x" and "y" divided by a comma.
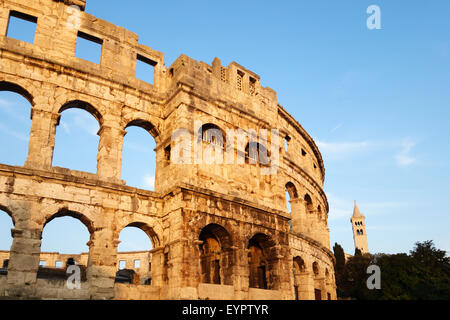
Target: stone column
{"x": 157, "y": 266}
{"x": 109, "y": 157}
{"x": 101, "y": 270}
{"x": 42, "y": 139}
{"x": 306, "y": 286}
{"x": 23, "y": 262}
{"x": 241, "y": 272}
{"x": 298, "y": 212}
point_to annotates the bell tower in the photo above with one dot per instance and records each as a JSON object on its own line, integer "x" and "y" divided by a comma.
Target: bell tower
{"x": 359, "y": 230}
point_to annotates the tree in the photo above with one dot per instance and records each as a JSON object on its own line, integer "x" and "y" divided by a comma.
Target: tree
{"x": 339, "y": 267}
{"x": 431, "y": 257}
{"x": 340, "y": 258}
{"x": 424, "y": 274}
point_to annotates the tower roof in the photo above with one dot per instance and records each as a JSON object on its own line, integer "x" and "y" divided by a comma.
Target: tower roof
{"x": 356, "y": 212}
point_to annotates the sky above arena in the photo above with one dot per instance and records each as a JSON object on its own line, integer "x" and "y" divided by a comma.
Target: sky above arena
{"x": 376, "y": 102}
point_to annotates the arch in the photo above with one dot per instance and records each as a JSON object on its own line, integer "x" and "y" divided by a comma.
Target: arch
{"x": 8, "y": 212}
{"x": 149, "y": 231}
{"x": 9, "y": 86}
{"x": 144, "y": 124}
{"x": 315, "y": 267}
{"x": 292, "y": 190}
{"x": 217, "y": 231}
{"x": 216, "y": 256}
{"x": 256, "y": 152}
{"x": 138, "y": 165}
{"x": 80, "y": 104}
{"x": 6, "y": 224}
{"x": 299, "y": 264}
{"x": 262, "y": 260}
{"x": 65, "y": 212}
{"x": 308, "y": 203}
{"x": 211, "y": 133}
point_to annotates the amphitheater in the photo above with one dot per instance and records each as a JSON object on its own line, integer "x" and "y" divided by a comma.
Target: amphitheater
{"x": 218, "y": 230}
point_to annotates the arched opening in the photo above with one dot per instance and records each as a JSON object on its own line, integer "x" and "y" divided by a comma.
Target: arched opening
{"x": 317, "y": 286}
{"x": 6, "y": 224}
{"x": 15, "y": 123}
{"x": 138, "y": 156}
{"x": 308, "y": 203}
{"x": 213, "y": 142}
{"x": 291, "y": 193}
{"x": 76, "y": 139}
{"x": 262, "y": 261}
{"x": 64, "y": 242}
{"x": 299, "y": 269}
{"x": 210, "y": 133}
{"x": 216, "y": 259}
{"x": 256, "y": 153}
{"x": 134, "y": 259}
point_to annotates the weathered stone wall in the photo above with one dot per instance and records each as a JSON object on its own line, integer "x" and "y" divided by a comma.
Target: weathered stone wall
{"x": 236, "y": 206}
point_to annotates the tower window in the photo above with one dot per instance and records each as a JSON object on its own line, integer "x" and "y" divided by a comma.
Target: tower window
{"x": 252, "y": 86}
{"x": 240, "y": 76}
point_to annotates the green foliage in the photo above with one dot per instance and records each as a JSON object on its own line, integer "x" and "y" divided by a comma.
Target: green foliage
{"x": 424, "y": 274}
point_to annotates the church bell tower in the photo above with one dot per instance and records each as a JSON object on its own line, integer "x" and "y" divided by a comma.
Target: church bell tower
{"x": 359, "y": 230}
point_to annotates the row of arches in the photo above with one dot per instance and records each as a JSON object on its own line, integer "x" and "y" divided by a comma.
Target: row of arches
{"x": 77, "y": 142}
{"x": 292, "y": 194}
{"x": 217, "y": 258}
{"x": 217, "y": 255}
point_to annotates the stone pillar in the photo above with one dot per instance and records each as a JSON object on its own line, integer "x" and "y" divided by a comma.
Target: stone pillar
{"x": 157, "y": 266}
{"x": 23, "y": 262}
{"x": 42, "y": 139}
{"x": 101, "y": 270}
{"x": 321, "y": 283}
{"x": 241, "y": 272}
{"x": 284, "y": 275}
{"x": 298, "y": 212}
{"x": 306, "y": 286}
{"x": 109, "y": 157}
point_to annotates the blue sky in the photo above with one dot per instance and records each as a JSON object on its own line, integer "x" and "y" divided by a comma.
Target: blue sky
{"x": 377, "y": 103}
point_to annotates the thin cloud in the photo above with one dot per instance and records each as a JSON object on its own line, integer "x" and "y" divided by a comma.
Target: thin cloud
{"x": 403, "y": 157}
{"x": 335, "y": 128}
{"x": 12, "y": 110}
{"x": 331, "y": 148}
{"x": 12, "y": 133}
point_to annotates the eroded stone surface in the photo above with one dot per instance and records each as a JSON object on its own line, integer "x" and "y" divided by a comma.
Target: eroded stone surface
{"x": 210, "y": 224}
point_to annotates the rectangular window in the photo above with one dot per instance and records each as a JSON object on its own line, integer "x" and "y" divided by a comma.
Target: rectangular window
{"x": 167, "y": 153}
{"x": 122, "y": 264}
{"x": 88, "y": 47}
{"x": 21, "y": 26}
{"x": 137, "y": 264}
{"x": 42, "y": 263}
{"x": 58, "y": 264}
{"x": 240, "y": 76}
{"x": 223, "y": 74}
{"x": 252, "y": 86}
{"x": 145, "y": 69}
